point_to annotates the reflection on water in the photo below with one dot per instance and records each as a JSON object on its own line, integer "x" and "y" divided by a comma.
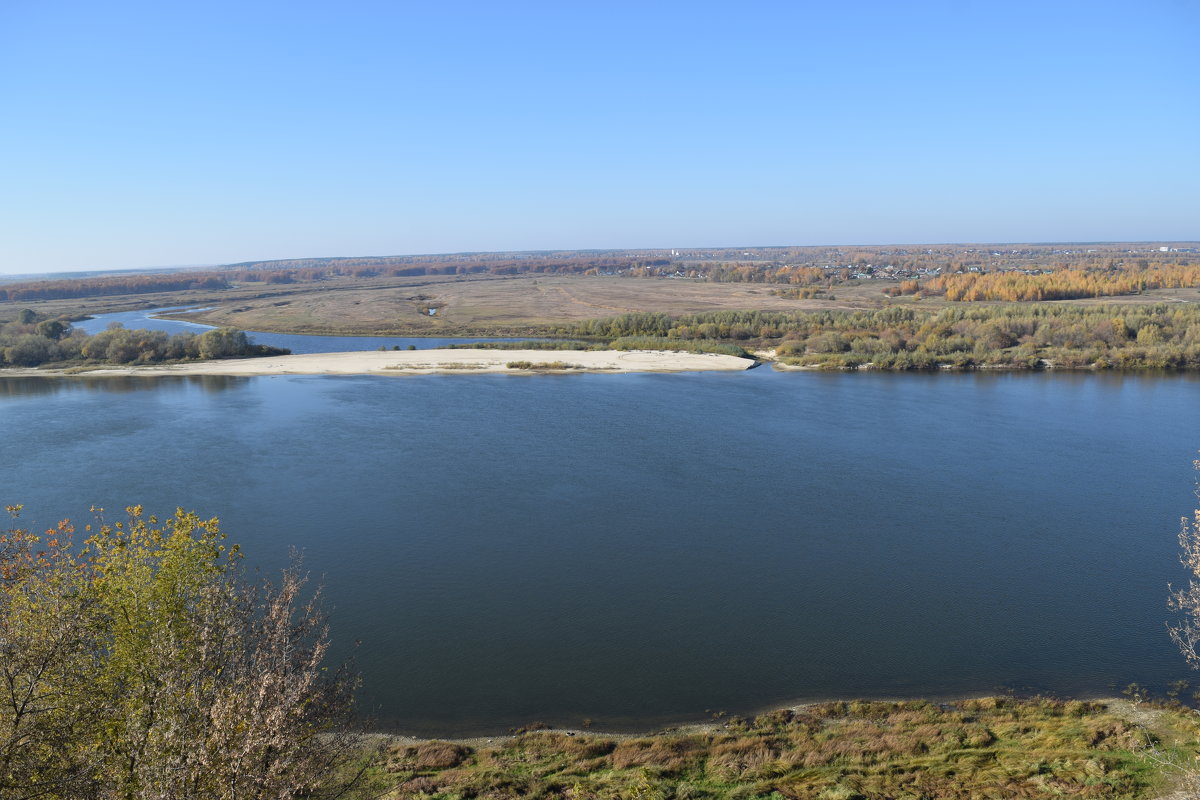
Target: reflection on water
{"x": 114, "y": 384}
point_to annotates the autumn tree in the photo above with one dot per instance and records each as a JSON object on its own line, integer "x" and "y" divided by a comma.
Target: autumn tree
{"x": 144, "y": 666}
{"x": 1186, "y": 601}
{"x": 1186, "y": 634}
{"x": 44, "y": 650}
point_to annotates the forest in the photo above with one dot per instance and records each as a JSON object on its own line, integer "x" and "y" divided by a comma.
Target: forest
{"x": 1164, "y": 336}
{"x": 1064, "y": 284}
{"x": 102, "y": 287}
{"x": 32, "y": 340}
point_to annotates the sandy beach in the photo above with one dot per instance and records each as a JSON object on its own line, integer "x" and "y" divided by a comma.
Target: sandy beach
{"x": 417, "y": 362}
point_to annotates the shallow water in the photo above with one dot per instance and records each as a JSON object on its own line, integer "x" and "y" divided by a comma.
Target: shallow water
{"x": 637, "y": 549}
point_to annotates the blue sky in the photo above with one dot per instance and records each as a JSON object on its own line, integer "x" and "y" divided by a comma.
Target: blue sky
{"x": 141, "y": 134}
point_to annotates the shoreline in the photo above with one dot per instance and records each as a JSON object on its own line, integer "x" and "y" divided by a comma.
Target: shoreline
{"x": 715, "y": 724}
{"x": 421, "y": 362}
{"x": 986, "y": 746}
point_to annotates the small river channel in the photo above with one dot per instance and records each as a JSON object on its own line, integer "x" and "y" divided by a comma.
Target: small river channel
{"x": 296, "y": 343}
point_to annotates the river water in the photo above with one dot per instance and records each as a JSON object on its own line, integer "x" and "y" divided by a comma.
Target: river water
{"x": 638, "y": 549}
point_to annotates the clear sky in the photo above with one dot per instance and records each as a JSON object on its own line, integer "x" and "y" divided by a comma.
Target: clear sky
{"x": 136, "y": 134}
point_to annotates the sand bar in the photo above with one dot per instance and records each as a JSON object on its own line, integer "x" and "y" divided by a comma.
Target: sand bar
{"x": 417, "y": 362}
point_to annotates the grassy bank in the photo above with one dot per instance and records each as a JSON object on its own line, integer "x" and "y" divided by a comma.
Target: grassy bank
{"x": 981, "y": 748}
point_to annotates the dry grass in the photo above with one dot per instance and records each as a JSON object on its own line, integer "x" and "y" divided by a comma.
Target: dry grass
{"x": 482, "y": 305}
{"x": 988, "y": 748}
{"x": 512, "y": 305}
{"x": 476, "y": 303}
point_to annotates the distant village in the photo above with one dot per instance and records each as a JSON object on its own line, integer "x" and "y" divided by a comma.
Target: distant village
{"x": 693, "y": 263}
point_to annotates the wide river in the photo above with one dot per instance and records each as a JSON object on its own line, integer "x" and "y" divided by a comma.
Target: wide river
{"x": 639, "y": 549}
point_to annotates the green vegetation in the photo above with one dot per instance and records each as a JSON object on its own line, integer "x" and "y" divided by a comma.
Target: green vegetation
{"x": 1164, "y": 336}
{"x": 30, "y": 341}
{"x": 541, "y": 366}
{"x": 685, "y": 346}
{"x": 637, "y": 342}
{"x": 143, "y": 666}
{"x": 529, "y": 344}
{"x": 986, "y": 748}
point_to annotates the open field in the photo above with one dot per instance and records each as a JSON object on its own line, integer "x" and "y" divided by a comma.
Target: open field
{"x": 528, "y": 305}
{"x": 500, "y": 305}
{"x": 495, "y": 305}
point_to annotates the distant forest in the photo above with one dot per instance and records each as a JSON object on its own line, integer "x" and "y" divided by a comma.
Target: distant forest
{"x": 68, "y": 288}
{"x": 956, "y": 272}
{"x": 1064, "y": 284}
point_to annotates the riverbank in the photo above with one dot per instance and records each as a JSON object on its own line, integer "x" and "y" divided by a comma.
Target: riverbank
{"x": 983, "y": 747}
{"x": 418, "y": 362}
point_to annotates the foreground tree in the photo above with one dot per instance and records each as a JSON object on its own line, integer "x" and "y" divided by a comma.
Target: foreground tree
{"x": 44, "y": 644}
{"x": 144, "y": 666}
{"x": 1186, "y": 634}
{"x": 1186, "y": 601}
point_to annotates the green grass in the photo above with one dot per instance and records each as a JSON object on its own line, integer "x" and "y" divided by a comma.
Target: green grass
{"x": 985, "y": 748}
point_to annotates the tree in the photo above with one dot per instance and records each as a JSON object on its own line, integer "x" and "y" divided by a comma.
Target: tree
{"x": 1186, "y": 634}
{"x": 51, "y": 329}
{"x": 223, "y": 343}
{"x": 144, "y": 666}
{"x": 1186, "y": 601}
{"x": 43, "y": 644}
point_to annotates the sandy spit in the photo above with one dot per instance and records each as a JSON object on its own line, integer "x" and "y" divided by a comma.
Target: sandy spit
{"x": 418, "y": 362}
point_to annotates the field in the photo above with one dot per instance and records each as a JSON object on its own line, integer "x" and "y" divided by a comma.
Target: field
{"x": 495, "y": 305}
{"x": 521, "y": 304}
{"x": 466, "y": 306}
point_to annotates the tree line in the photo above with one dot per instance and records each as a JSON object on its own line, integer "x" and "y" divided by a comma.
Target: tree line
{"x": 31, "y": 341}
{"x": 1164, "y": 336}
{"x": 101, "y": 287}
{"x": 953, "y": 270}
{"x": 1063, "y": 284}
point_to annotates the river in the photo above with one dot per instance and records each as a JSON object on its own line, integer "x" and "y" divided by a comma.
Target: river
{"x": 639, "y": 549}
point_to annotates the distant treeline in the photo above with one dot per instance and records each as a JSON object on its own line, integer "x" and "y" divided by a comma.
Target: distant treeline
{"x": 960, "y": 272}
{"x": 790, "y": 265}
{"x": 1101, "y": 337}
{"x": 312, "y": 270}
{"x": 301, "y": 270}
{"x": 1064, "y": 284}
{"x": 639, "y": 342}
{"x": 100, "y": 287}
{"x": 31, "y": 341}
